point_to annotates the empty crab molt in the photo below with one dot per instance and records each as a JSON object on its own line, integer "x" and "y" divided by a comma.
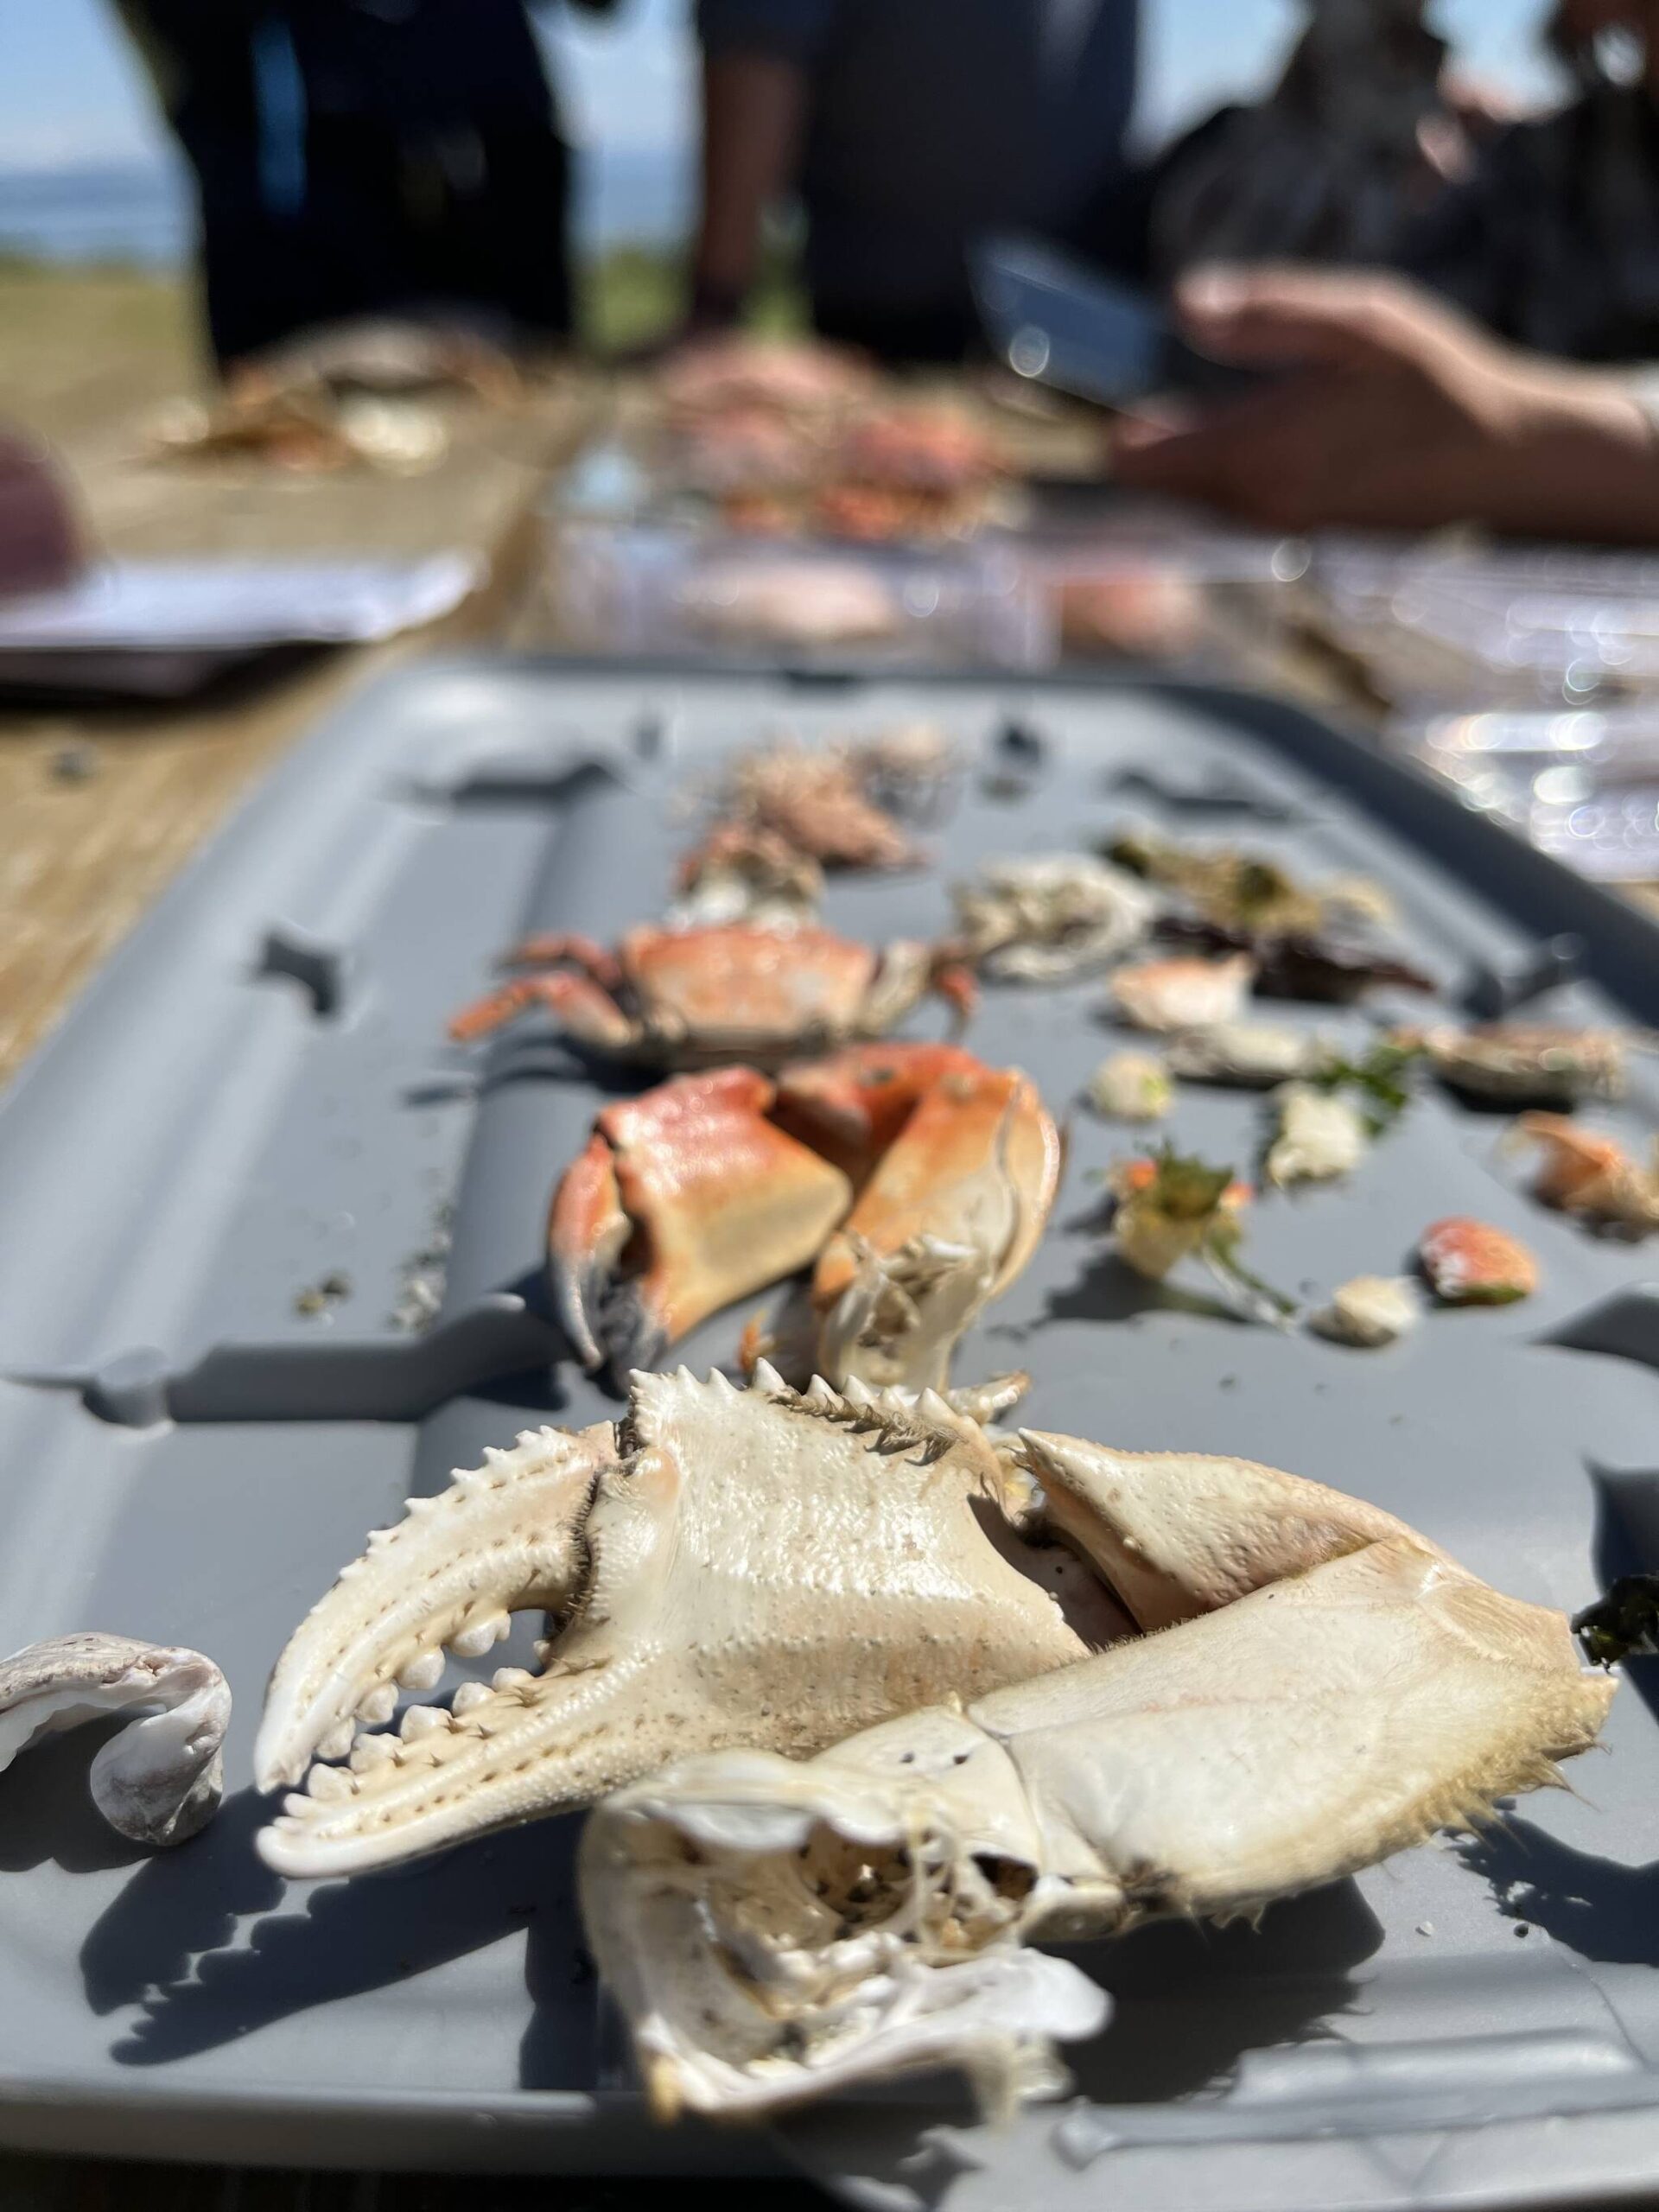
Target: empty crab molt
{"x": 1321, "y": 1136}
{"x": 160, "y": 1779}
{"x": 1165, "y": 996}
{"x": 1471, "y": 1263}
{"x": 1369, "y": 1312}
{"x": 836, "y": 802}
{"x": 1590, "y": 1175}
{"x": 724, "y": 1567}
{"x": 1051, "y": 919}
{"x": 1526, "y": 1063}
{"x": 1132, "y": 1087}
{"x": 1329, "y": 1689}
{"x": 937, "y": 1173}
{"x": 733, "y": 991}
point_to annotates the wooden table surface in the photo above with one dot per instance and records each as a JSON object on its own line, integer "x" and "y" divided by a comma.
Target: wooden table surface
{"x": 99, "y": 805}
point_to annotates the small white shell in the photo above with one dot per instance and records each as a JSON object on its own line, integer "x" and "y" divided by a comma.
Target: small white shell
{"x": 1371, "y": 1311}
{"x": 1321, "y": 1136}
{"x": 161, "y": 1777}
{"x": 1131, "y": 1087}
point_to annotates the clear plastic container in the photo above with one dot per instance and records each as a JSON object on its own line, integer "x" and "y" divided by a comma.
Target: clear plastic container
{"x": 643, "y": 592}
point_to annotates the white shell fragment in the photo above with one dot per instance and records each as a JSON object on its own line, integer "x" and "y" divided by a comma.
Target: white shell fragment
{"x": 1253, "y": 1055}
{"x": 1131, "y": 1087}
{"x": 1321, "y": 1135}
{"x": 1051, "y": 917}
{"x": 1328, "y": 1688}
{"x": 1369, "y": 1312}
{"x": 161, "y": 1779}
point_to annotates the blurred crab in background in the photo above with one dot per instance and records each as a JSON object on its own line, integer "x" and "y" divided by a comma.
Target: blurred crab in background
{"x": 1525, "y": 1063}
{"x": 730, "y": 991}
{"x": 913, "y": 1179}
{"x": 839, "y": 804}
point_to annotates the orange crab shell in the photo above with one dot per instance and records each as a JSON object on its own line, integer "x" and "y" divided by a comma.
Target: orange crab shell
{"x": 703, "y": 1197}
{"x": 1471, "y": 1263}
{"x": 732, "y": 981}
{"x": 1577, "y": 1166}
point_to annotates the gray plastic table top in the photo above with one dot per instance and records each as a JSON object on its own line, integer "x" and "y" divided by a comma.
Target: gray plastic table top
{"x": 255, "y": 1096}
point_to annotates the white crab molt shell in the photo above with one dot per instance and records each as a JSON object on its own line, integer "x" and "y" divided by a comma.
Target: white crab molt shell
{"x": 1253, "y": 1055}
{"x": 1132, "y": 1087}
{"x": 1370, "y": 1311}
{"x": 1052, "y": 917}
{"x": 774, "y": 1932}
{"x": 1321, "y": 1136}
{"x": 161, "y": 1779}
{"x": 762, "y": 1567}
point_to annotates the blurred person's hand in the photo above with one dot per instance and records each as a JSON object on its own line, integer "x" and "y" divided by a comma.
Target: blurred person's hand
{"x": 41, "y": 547}
{"x": 1387, "y": 410}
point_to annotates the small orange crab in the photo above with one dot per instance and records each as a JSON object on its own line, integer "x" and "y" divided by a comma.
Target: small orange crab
{"x": 918, "y": 1180}
{"x": 731, "y": 991}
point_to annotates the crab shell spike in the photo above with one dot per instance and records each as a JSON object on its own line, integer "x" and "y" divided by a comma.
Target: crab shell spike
{"x": 773, "y": 1931}
{"x": 502, "y": 1538}
{"x": 160, "y": 1779}
{"x": 720, "y": 1201}
{"x": 705, "y": 1620}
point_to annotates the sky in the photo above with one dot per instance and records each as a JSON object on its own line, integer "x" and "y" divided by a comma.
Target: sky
{"x": 69, "y": 91}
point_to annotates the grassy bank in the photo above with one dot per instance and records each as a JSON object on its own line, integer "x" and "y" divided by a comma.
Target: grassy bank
{"x": 83, "y": 347}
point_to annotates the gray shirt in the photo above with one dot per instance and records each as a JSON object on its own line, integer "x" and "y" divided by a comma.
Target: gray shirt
{"x": 934, "y": 120}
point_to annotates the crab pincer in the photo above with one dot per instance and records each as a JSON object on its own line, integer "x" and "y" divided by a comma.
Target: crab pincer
{"x": 916, "y": 1179}
{"x": 684, "y": 1199}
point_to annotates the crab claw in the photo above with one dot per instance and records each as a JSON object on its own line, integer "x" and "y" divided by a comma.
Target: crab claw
{"x": 698, "y": 1198}
{"x": 950, "y": 1217}
{"x": 684, "y": 1552}
{"x": 774, "y": 1931}
{"x": 503, "y": 1538}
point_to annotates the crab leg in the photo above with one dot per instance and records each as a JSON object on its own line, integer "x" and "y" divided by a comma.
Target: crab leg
{"x": 585, "y": 1008}
{"x": 504, "y": 1538}
{"x": 715, "y": 1202}
{"x": 558, "y": 946}
{"x": 774, "y": 1931}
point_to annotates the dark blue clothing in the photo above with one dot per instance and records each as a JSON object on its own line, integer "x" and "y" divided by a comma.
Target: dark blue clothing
{"x": 932, "y": 120}
{"x": 359, "y": 157}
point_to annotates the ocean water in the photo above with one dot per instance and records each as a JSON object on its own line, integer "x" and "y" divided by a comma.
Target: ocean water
{"x": 144, "y": 214}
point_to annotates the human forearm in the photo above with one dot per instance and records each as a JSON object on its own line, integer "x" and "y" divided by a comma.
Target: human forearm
{"x": 1580, "y": 459}
{"x": 754, "y": 108}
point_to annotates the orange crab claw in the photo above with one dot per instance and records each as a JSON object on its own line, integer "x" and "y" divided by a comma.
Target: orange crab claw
{"x": 976, "y": 1166}
{"x": 717, "y": 1203}
{"x": 584, "y": 1008}
{"x": 852, "y": 1104}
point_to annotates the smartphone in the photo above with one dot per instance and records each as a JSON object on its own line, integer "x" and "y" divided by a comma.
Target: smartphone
{"x": 1054, "y": 321}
